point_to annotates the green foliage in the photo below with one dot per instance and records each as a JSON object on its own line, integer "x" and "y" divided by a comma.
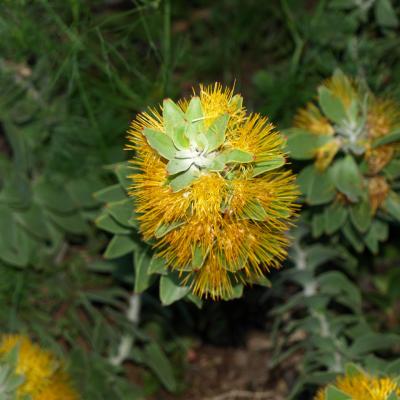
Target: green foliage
{"x": 74, "y": 272}
{"x": 354, "y": 196}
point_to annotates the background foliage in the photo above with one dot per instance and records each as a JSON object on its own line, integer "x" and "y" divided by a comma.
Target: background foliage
{"x": 72, "y": 75}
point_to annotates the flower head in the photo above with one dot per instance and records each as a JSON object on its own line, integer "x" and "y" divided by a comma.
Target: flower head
{"x": 362, "y": 386}
{"x": 210, "y": 190}
{"x": 354, "y": 119}
{"x": 44, "y": 378}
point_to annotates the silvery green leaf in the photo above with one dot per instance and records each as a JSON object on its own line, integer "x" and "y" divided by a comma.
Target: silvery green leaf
{"x": 255, "y": 211}
{"x": 173, "y": 117}
{"x": 171, "y": 289}
{"x": 194, "y": 117}
{"x": 198, "y": 257}
{"x": 265, "y": 166}
{"x": 332, "y": 393}
{"x": 184, "y": 179}
{"x": 237, "y": 156}
{"x": 216, "y": 132}
{"x": 163, "y": 229}
{"x": 347, "y": 178}
{"x": 218, "y": 164}
{"x": 160, "y": 142}
{"x": 201, "y": 141}
{"x": 177, "y": 165}
{"x": 237, "y": 101}
{"x": 331, "y": 105}
{"x": 175, "y": 124}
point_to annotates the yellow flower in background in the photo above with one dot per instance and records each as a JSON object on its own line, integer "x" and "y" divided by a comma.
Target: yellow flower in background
{"x": 42, "y": 371}
{"x": 354, "y": 120}
{"x": 363, "y": 387}
{"x": 210, "y": 191}
{"x": 310, "y": 118}
{"x": 58, "y": 389}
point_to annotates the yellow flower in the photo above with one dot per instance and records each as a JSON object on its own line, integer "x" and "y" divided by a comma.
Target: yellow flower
{"x": 343, "y": 88}
{"x": 326, "y": 154}
{"x": 378, "y": 190}
{"x": 363, "y": 387}
{"x": 58, "y": 389}
{"x": 40, "y": 368}
{"x": 383, "y": 117}
{"x": 210, "y": 191}
{"x": 366, "y": 118}
{"x": 311, "y": 119}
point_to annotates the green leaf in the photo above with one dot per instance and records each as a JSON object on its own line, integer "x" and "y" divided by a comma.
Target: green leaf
{"x": 109, "y": 224}
{"x": 157, "y": 361}
{"x": 392, "y": 170}
{"x": 270, "y": 165}
{"x": 160, "y": 142}
{"x": 122, "y": 170}
{"x": 110, "y": 193}
{"x": 237, "y": 156}
{"x": 385, "y": 14}
{"x": 218, "y": 164}
{"x": 255, "y": 211}
{"x": 157, "y": 266}
{"x": 177, "y": 165}
{"x": 335, "y": 216}
{"x": 236, "y": 101}
{"x": 121, "y": 211}
{"x": 332, "y": 393}
{"x": 391, "y": 137}
{"x": 53, "y": 196}
{"x": 317, "y": 224}
{"x": 260, "y": 280}
{"x": 236, "y": 293}
{"x": 171, "y": 289}
{"x": 81, "y": 191}
{"x": 361, "y": 215}
{"x": 119, "y": 246}
{"x": 184, "y": 179}
{"x": 72, "y": 223}
{"x": 34, "y": 221}
{"x": 194, "y": 116}
{"x": 173, "y": 117}
{"x": 352, "y": 236}
{"x": 347, "y": 178}
{"x": 378, "y": 232}
{"x": 331, "y": 105}
{"x": 215, "y": 134}
{"x": 303, "y": 145}
{"x": 143, "y": 279}
{"x": 353, "y": 370}
{"x": 337, "y": 284}
{"x": 198, "y": 257}
{"x": 371, "y": 342}
{"x": 392, "y": 205}
{"x": 317, "y": 186}
{"x": 163, "y": 229}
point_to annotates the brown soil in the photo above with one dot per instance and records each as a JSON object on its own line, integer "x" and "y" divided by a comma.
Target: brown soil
{"x": 221, "y": 373}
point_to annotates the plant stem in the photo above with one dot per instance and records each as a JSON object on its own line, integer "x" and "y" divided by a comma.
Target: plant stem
{"x": 125, "y": 346}
{"x": 167, "y": 47}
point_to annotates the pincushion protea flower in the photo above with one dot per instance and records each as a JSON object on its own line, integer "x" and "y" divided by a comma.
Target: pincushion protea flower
{"x": 361, "y": 386}
{"x": 210, "y": 191}
{"x": 44, "y": 378}
{"x": 351, "y": 120}
{"x": 351, "y": 140}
